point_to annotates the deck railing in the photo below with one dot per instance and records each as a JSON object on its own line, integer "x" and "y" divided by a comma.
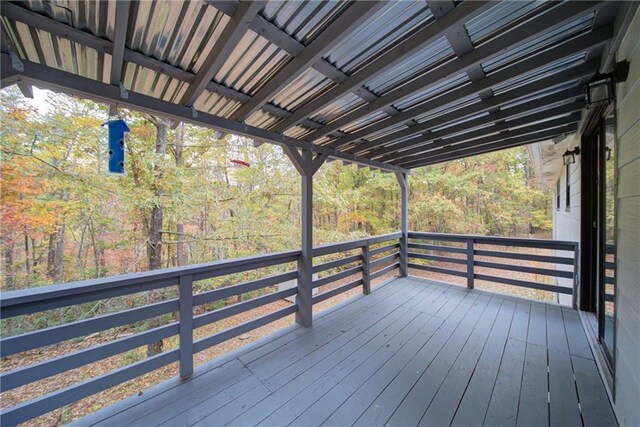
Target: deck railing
{"x": 375, "y": 257}
{"x": 480, "y": 251}
{"x": 357, "y": 262}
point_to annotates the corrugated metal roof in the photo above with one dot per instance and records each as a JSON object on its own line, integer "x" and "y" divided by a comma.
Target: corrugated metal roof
{"x": 548, "y": 39}
{"x": 306, "y": 86}
{"x": 180, "y": 35}
{"x": 395, "y": 21}
{"x": 432, "y": 92}
{"x": 303, "y": 20}
{"x": 499, "y": 17}
{"x": 59, "y": 53}
{"x": 251, "y": 64}
{"x": 539, "y": 73}
{"x": 338, "y": 107}
{"x": 411, "y": 67}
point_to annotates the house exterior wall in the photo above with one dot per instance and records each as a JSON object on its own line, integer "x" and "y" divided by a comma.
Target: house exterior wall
{"x": 566, "y": 220}
{"x": 627, "y": 346}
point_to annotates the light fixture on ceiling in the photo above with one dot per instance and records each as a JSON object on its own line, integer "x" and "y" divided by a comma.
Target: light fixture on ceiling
{"x": 569, "y": 157}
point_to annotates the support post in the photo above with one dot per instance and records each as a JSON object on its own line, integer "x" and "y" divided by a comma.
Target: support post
{"x": 576, "y": 276}
{"x": 185, "y": 292}
{"x": 307, "y": 166}
{"x": 404, "y": 223}
{"x": 366, "y": 270}
{"x": 470, "y": 272}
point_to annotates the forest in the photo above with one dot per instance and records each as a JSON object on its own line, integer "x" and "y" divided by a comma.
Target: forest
{"x": 192, "y": 195}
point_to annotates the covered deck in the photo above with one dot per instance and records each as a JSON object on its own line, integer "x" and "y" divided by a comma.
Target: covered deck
{"x": 413, "y": 352}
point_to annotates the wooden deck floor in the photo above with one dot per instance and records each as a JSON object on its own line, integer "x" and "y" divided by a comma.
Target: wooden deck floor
{"x": 413, "y": 352}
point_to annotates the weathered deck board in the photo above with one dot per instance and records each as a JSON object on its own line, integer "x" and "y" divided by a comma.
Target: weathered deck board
{"x": 413, "y": 352}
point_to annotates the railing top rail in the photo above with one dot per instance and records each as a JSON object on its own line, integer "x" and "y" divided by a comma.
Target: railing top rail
{"x": 481, "y": 239}
{"x": 352, "y": 244}
{"x": 18, "y": 297}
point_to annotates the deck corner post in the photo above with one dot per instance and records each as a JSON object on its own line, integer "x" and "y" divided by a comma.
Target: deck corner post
{"x": 366, "y": 270}
{"x": 404, "y": 223}
{"x": 307, "y": 165}
{"x": 185, "y": 293}
{"x": 470, "y": 263}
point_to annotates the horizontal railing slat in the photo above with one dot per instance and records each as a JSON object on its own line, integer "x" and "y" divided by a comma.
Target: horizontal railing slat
{"x": 229, "y": 291}
{"x": 353, "y": 244}
{"x": 525, "y": 269}
{"x": 610, "y": 265}
{"x": 437, "y": 236}
{"x": 245, "y": 327}
{"x": 26, "y": 301}
{"x": 333, "y": 292}
{"x": 524, "y": 283}
{"x": 498, "y": 241}
{"x": 377, "y": 251}
{"x": 438, "y": 248}
{"x": 80, "y": 358}
{"x": 53, "y": 302}
{"x": 610, "y": 280}
{"x": 438, "y": 258}
{"x": 525, "y": 257}
{"x": 43, "y": 337}
{"x": 438, "y": 270}
{"x": 57, "y": 399}
{"x": 232, "y": 310}
{"x": 337, "y": 263}
{"x": 384, "y": 270}
{"x": 383, "y": 260}
{"x": 337, "y": 276}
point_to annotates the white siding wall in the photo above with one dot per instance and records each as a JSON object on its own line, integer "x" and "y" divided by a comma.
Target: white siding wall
{"x": 566, "y": 222}
{"x": 627, "y": 357}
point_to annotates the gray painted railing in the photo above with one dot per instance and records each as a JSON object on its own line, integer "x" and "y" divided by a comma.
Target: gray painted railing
{"x": 357, "y": 262}
{"x": 474, "y": 256}
{"x": 375, "y": 257}
{"x": 610, "y": 272}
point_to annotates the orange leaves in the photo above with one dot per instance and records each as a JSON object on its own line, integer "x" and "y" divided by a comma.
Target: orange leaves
{"x": 24, "y": 205}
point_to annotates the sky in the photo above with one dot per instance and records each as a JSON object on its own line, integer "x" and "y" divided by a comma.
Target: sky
{"x": 39, "y": 100}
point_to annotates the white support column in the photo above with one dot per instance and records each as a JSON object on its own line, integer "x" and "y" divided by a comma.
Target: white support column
{"x": 404, "y": 223}
{"x": 307, "y": 166}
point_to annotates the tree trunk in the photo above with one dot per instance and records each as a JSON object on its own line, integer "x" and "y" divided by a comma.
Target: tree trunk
{"x": 154, "y": 241}
{"x": 27, "y": 258}
{"x": 59, "y": 269}
{"x": 51, "y": 256}
{"x": 8, "y": 266}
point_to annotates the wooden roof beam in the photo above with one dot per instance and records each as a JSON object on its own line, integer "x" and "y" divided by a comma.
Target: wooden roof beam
{"x": 120, "y": 37}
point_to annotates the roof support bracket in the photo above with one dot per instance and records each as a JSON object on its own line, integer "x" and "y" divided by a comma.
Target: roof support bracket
{"x": 16, "y": 62}
{"x": 124, "y": 93}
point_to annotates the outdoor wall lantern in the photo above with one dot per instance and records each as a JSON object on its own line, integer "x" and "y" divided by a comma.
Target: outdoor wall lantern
{"x": 569, "y": 157}
{"x": 601, "y": 90}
